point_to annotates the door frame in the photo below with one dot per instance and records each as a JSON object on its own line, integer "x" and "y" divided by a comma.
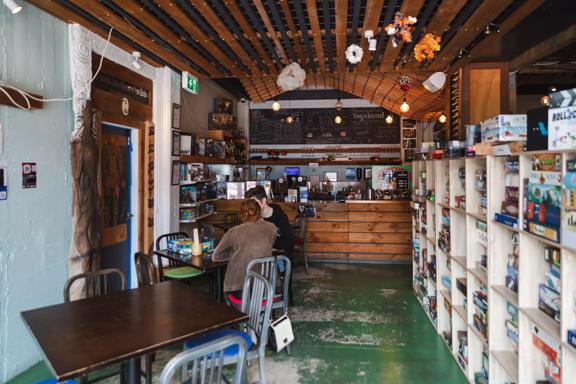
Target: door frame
{"x": 135, "y": 198}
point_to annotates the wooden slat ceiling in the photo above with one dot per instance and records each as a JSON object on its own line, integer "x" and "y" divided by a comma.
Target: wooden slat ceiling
{"x": 252, "y": 40}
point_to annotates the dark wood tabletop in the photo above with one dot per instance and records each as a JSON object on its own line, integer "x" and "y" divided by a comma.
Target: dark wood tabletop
{"x": 84, "y": 335}
{"x": 203, "y": 263}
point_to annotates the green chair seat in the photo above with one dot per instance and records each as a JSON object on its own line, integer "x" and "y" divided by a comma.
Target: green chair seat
{"x": 182, "y": 273}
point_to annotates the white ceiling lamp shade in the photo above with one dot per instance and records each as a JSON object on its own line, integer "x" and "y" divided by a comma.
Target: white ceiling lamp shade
{"x": 435, "y": 82}
{"x": 292, "y": 77}
{"x": 354, "y": 54}
{"x": 13, "y": 6}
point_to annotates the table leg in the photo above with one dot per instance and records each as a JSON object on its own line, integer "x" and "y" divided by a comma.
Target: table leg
{"x": 134, "y": 371}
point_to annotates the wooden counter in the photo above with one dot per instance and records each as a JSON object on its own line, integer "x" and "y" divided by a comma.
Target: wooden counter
{"x": 355, "y": 230}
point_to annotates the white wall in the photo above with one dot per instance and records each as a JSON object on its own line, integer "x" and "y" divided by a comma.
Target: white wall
{"x": 35, "y": 226}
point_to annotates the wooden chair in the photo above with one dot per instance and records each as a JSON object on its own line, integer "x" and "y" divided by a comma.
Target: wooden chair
{"x": 173, "y": 271}
{"x": 97, "y": 283}
{"x": 207, "y": 362}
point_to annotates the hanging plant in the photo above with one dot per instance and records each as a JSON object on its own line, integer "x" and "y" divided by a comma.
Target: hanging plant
{"x": 427, "y": 47}
{"x": 354, "y": 54}
{"x": 401, "y": 29}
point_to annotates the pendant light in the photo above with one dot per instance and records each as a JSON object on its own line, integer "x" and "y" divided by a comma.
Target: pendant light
{"x": 404, "y": 107}
{"x": 276, "y": 106}
{"x": 338, "y": 119}
{"x": 339, "y": 105}
{"x": 442, "y": 118}
{"x": 389, "y": 119}
{"x": 289, "y": 118}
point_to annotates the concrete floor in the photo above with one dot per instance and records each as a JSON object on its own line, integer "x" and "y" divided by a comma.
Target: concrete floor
{"x": 353, "y": 324}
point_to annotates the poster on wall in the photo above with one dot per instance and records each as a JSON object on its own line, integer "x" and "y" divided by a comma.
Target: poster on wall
{"x": 393, "y": 177}
{"x": 28, "y": 175}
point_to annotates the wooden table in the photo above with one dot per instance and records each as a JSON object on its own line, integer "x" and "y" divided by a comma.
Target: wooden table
{"x": 205, "y": 264}
{"x": 85, "y": 335}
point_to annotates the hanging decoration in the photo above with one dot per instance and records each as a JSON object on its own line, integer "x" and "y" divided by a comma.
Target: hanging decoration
{"x": 404, "y": 84}
{"x": 291, "y": 77}
{"x": 435, "y": 82}
{"x": 401, "y": 29}
{"x": 354, "y": 54}
{"x": 427, "y": 47}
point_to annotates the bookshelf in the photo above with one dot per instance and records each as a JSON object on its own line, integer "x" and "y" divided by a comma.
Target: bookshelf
{"x": 488, "y": 275}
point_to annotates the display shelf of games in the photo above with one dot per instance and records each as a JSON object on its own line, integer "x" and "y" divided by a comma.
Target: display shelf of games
{"x": 197, "y": 192}
{"x": 495, "y": 260}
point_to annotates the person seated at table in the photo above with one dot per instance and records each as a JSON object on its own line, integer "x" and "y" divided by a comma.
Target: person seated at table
{"x": 275, "y": 215}
{"x": 253, "y": 239}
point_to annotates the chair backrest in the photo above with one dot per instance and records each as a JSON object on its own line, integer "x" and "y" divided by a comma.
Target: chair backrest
{"x": 265, "y": 266}
{"x": 301, "y": 221}
{"x": 145, "y": 269}
{"x": 256, "y": 291}
{"x": 207, "y": 361}
{"x": 96, "y": 283}
{"x": 169, "y": 236}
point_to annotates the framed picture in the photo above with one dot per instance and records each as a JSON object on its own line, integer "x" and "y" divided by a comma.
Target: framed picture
{"x": 350, "y": 174}
{"x": 367, "y": 173}
{"x": 260, "y": 174}
{"x": 175, "y": 116}
{"x": 175, "y": 143}
{"x": 331, "y": 176}
{"x": 175, "y": 172}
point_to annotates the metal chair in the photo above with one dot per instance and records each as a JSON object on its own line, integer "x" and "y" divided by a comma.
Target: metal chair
{"x": 207, "y": 361}
{"x": 96, "y": 283}
{"x": 145, "y": 269}
{"x": 268, "y": 267}
{"x": 175, "y": 272}
{"x": 257, "y": 300}
{"x": 300, "y": 240}
{"x": 146, "y": 274}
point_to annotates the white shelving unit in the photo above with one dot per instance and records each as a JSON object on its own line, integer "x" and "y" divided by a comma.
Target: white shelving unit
{"x": 478, "y": 257}
{"x": 192, "y": 200}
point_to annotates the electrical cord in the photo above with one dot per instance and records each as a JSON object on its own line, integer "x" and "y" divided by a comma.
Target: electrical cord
{"x": 26, "y": 96}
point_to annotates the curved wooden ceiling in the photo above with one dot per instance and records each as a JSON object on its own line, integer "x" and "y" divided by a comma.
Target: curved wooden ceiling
{"x": 252, "y": 40}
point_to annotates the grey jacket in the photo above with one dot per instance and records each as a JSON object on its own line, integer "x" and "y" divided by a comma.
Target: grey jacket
{"x": 242, "y": 244}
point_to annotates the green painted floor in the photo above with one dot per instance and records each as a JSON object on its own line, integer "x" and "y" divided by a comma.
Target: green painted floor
{"x": 353, "y": 324}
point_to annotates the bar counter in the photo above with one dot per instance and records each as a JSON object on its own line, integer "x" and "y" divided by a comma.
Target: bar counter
{"x": 357, "y": 230}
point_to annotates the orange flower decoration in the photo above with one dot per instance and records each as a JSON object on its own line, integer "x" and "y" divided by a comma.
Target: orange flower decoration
{"x": 427, "y": 47}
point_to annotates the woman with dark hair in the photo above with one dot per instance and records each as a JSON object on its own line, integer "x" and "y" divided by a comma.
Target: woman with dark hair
{"x": 243, "y": 243}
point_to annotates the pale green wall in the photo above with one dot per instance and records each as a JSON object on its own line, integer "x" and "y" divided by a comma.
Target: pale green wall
{"x": 35, "y": 224}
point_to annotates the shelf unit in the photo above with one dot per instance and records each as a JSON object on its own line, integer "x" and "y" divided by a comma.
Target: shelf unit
{"x": 479, "y": 261}
{"x": 195, "y": 202}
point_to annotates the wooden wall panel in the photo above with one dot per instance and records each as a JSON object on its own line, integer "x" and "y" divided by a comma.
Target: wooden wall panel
{"x": 390, "y": 238}
{"x": 327, "y": 237}
{"x": 380, "y": 217}
{"x": 314, "y": 226}
{"x": 484, "y": 94}
{"x": 380, "y": 227}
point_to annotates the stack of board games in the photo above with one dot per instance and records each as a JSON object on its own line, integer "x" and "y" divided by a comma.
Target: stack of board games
{"x": 569, "y": 207}
{"x": 444, "y": 234}
{"x": 543, "y": 197}
{"x": 512, "y": 264}
{"x": 481, "y": 186}
{"x": 511, "y": 324}
{"x": 550, "y": 349}
{"x": 482, "y": 376}
{"x": 508, "y": 214}
{"x": 549, "y": 291}
{"x": 480, "y": 321}
{"x": 462, "y": 348}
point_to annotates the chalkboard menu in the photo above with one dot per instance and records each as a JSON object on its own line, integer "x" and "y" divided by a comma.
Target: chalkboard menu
{"x": 317, "y": 126}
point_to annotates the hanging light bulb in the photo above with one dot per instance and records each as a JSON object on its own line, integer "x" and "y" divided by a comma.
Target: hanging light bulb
{"x": 404, "y": 107}
{"x": 289, "y": 119}
{"x": 545, "y": 101}
{"x": 339, "y": 105}
{"x": 389, "y": 119}
{"x": 276, "y": 106}
{"x": 442, "y": 118}
{"x": 338, "y": 119}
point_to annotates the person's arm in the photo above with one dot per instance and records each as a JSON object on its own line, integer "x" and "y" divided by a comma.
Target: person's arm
{"x": 222, "y": 251}
{"x": 287, "y": 237}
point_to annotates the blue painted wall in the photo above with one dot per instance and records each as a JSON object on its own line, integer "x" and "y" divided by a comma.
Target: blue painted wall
{"x": 35, "y": 224}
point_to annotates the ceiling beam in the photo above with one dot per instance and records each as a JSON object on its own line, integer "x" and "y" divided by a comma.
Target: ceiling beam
{"x": 139, "y": 13}
{"x": 328, "y": 35}
{"x": 408, "y": 8}
{"x": 294, "y": 34}
{"x": 316, "y": 34}
{"x": 225, "y": 35}
{"x": 341, "y": 21}
{"x": 484, "y": 14}
{"x": 280, "y": 27}
{"x": 232, "y": 6}
{"x": 305, "y": 36}
{"x": 100, "y": 12}
{"x": 354, "y": 32}
{"x": 371, "y": 18}
{"x": 271, "y": 31}
{"x": 383, "y": 38}
{"x": 71, "y": 17}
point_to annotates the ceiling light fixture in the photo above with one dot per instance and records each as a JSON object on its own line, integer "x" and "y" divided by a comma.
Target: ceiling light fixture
{"x": 338, "y": 119}
{"x": 12, "y": 6}
{"x": 339, "y": 105}
{"x": 136, "y": 62}
{"x": 404, "y": 107}
{"x": 276, "y": 106}
{"x": 289, "y": 119}
{"x": 372, "y": 42}
{"x": 442, "y": 118}
{"x": 389, "y": 119}
{"x": 553, "y": 89}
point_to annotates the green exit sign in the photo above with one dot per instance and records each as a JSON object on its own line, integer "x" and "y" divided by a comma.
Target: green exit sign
{"x": 190, "y": 82}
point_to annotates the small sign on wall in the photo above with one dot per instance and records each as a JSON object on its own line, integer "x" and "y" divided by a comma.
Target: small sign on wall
{"x": 28, "y": 175}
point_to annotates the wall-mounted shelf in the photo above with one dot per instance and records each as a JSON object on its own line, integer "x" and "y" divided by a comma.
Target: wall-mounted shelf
{"x": 390, "y": 161}
{"x": 198, "y": 218}
{"x": 205, "y": 160}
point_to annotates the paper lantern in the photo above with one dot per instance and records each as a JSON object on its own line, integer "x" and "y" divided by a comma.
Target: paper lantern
{"x": 354, "y": 54}
{"x": 291, "y": 77}
{"x": 435, "y": 82}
